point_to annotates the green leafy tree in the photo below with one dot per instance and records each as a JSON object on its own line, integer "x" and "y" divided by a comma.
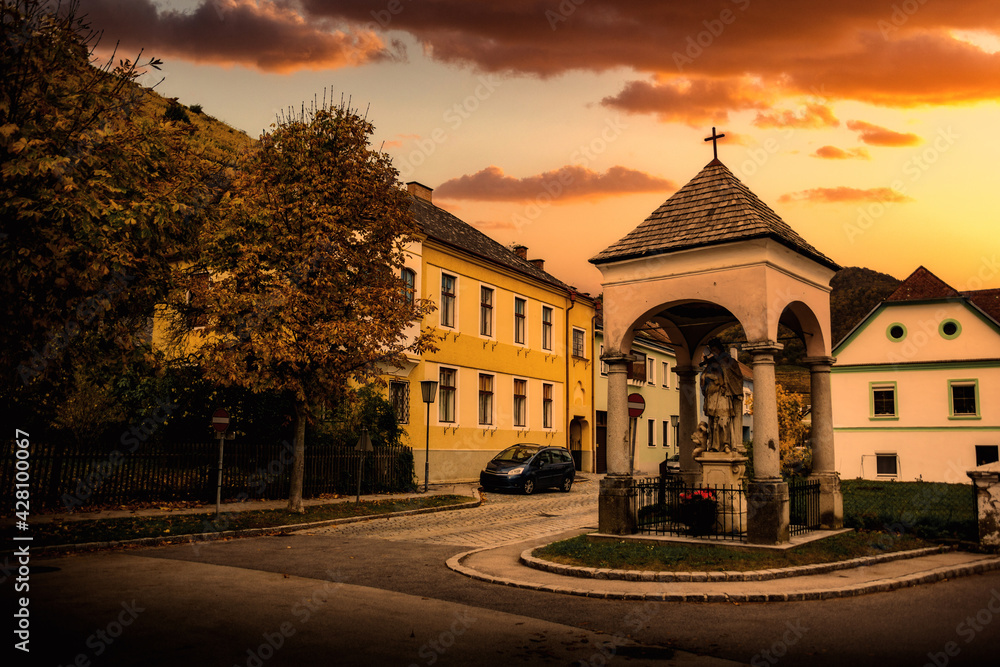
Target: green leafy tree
{"x": 791, "y": 431}
{"x": 305, "y": 294}
{"x": 99, "y": 202}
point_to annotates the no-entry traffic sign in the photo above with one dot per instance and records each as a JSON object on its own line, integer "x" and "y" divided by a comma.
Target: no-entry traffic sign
{"x": 220, "y": 420}
{"x": 636, "y": 404}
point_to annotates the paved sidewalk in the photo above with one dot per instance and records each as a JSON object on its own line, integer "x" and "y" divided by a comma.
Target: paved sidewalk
{"x": 502, "y": 565}
{"x": 467, "y": 489}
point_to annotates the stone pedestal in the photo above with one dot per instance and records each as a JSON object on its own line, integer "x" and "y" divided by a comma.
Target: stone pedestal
{"x": 726, "y": 469}
{"x": 767, "y": 512}
{"x": 616, "y": 505}
{"x": 831, "y": 500}
{"x": 986, "y": 480}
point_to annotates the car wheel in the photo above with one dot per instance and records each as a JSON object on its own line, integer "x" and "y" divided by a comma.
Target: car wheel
{"x": 529, "y": 486}
{"x": 567, "y": 484}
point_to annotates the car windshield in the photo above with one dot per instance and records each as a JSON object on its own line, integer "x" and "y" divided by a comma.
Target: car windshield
{"x": 516, "y": 454}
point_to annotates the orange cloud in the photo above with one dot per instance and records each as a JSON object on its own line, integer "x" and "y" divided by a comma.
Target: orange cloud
{"x": 814, "y": 116}
{"x": 690, "y": 101}
{"x": 875, "y": 135}
{"x": 845, "y": 194}
{"x": 264, "y": 34}
{"x": 569, "y": 182}
{"x": 834, "y": 153}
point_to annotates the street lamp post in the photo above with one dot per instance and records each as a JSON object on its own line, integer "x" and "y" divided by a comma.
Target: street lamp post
{"x": 428, "y": 390}
{"x": 675, "y": 421}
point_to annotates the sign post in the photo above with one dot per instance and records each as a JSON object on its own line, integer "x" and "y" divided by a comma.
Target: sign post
{"x": 220, "y": 422}
{"x": 364, "y": 445}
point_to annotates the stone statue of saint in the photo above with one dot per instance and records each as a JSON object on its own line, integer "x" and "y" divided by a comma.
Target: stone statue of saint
{"x": 722, "y": 391}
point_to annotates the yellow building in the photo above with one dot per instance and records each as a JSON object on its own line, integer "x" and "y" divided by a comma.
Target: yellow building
{"x": 515, "y": 358}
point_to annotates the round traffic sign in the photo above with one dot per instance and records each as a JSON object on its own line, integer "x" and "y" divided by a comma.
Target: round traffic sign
{"x": 220, "y": 420}
{"x": 636, "y": 404}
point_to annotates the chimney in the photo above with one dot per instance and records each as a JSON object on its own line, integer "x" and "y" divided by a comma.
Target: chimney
{"x": 538, "y": 264}
{"x": 420, "y": 191}
{"x": 521, "y": 251}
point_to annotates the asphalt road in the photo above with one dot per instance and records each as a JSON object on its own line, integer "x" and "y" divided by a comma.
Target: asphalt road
{"x": 379, "y": 593}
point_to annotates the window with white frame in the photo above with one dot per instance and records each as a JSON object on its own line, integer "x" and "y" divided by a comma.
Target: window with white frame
{"x": 886, "y": 465}
{"x": 546, "y": 327}
{"x": 666, "y": 433}
{"x": 399, "y": 397}
{"x": 604, "y": 364}
{"x": 963, "y": 399}
{"x": 447, "y": 395}
{"x": 665, "y": 374}
{"x": 650, "y": 370}
{"x": 520, "y": 402}
{"x": 651, "y": 432}
{"x": 547, "y": 406}
{"x": 579, "y": 343}
{"x": 520, "y": 320}
{"x": 486, "y": 311}
{"x": 485, "y": 400}
{"x": 448, "y": 299}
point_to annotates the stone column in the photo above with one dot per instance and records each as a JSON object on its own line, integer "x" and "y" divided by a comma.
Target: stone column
{"x": 687, "y": 382}
{"x": 831, "y": 503}
{"x": 615, "y": 511}
{"x": 767, "y": 494}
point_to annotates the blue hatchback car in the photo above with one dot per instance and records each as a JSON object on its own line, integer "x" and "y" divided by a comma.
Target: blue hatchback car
{"x": 528, "y": 467}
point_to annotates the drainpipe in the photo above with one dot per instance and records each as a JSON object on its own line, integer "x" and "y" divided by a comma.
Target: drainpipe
{"x": 569, "y": 356}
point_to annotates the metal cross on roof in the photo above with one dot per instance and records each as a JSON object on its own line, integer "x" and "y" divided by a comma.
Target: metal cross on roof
{"x": 715, "y": 146}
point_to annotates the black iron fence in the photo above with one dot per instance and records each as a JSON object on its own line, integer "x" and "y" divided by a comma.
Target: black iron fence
{"x": 803, "y": 501}
{"x": 666, "y": 506}
{"x": 70, "y": 476}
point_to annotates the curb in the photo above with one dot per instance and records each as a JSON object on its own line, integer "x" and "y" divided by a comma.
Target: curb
{"x": 536, "y": 563}
{"x": 880, "y": 586}
{"x": 194, "y": 538}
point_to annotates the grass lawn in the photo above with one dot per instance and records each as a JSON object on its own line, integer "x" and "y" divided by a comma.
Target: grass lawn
{"x": 625, "y": 555}
{"x": 169, "y": 525}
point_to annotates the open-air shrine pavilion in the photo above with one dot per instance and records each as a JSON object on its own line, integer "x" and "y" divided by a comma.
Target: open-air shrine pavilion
{"x": 711, "y": 256}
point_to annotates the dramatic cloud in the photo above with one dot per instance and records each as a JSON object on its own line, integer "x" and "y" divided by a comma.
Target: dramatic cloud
{"x": 834, "y": 153}
{"x": 875, "y": 135}
{"x": 693, "y": 102}
{"x": 814, "y": 116}
{"x": 569, "y": 182}
{"x": 845, "y": 194}
{"x": 267, "y": 35}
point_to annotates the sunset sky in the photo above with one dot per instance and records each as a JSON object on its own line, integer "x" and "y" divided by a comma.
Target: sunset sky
{"x": 870, "y": 127}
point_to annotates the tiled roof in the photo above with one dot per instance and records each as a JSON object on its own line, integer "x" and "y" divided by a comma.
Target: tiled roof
{"x": 714, "y": 207}
{"x": 921, "y": 285}
{"x": 988, "y": 301}
{"x": 444, "y": 227}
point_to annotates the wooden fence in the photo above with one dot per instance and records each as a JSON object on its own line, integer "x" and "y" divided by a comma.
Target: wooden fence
{"x": 70, "y": 476}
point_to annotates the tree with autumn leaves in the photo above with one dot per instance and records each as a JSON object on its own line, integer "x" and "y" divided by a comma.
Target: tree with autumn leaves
{"x": 100, "y": 198}
{"x": 298, "y": 282}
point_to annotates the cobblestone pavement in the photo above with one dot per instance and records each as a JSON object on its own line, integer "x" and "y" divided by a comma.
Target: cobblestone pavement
{"x": 502, "y": 518}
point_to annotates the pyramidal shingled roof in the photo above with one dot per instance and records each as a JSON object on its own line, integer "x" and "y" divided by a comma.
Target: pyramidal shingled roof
{"x": 713, "y": 208}
{"x": 921, "y": 285}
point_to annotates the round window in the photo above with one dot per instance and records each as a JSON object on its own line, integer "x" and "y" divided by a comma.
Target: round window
{"x": 896, "y": 332}
{"x": 950, "y": 329}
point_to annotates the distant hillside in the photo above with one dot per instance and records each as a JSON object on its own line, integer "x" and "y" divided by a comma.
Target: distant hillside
{"x": 219, "y": 140}
{"x": 856, "y": 290}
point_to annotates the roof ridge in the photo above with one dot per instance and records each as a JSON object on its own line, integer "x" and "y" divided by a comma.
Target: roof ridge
{"x": 713, "y": 207}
